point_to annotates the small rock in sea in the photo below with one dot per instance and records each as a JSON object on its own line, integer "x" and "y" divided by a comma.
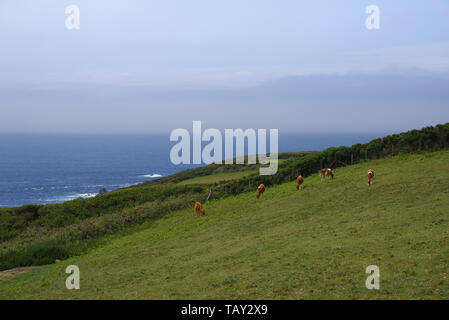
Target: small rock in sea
{"x": 102, "y": 190}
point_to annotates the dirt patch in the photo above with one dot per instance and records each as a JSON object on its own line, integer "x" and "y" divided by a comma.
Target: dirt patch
{"x": 8, "y": 274}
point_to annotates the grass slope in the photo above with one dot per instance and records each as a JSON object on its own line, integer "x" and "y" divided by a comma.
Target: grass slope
{"x": 315, "y": 243}
{"x": 217, "y": 177}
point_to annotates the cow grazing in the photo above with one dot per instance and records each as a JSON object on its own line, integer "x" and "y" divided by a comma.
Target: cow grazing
{"x": 370, "y": 176}
{"x": 327, "y": 173}
{"x": 299, "y": 182}
{"x": 260, "y": 191}
{"x": 199, "y": 211}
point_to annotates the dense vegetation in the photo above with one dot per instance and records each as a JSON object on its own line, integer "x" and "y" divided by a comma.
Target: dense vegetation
{"x": 310, "y": 244}
{"x": 39, "y": 234}
{"x": 15, "y": 220}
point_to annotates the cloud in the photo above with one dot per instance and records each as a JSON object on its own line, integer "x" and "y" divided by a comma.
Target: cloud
{"x": 331, "y": 103}
{"x": 423, "y": 58}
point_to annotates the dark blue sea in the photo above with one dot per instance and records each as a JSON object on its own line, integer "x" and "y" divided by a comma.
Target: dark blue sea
{"x": 41, "y": 169}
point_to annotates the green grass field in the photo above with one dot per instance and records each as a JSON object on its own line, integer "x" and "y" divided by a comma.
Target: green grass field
{"x": 227, "y": 176}
{"x": 311, "y": 244}
{"x": 217, "y": 177}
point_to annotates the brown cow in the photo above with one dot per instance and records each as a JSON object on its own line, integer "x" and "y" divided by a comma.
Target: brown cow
{"x": 370, "y": 176}
{"x": 299, "y": 182}
{"x": 199, "y": 211}
{"x": 260, "y": 191}
{"x": 327, "y": 172}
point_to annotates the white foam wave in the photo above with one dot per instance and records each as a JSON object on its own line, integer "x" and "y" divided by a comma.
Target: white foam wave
{"x": 151, "y": 176}
{"x": 85, "y": 195}
{"x": 69, "y": 197}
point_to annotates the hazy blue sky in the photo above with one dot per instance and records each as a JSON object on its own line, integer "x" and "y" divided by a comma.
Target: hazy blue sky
{"x": 140, "y": 66}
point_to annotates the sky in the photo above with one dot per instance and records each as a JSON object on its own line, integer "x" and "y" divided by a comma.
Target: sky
{"x": 140, "y": 66}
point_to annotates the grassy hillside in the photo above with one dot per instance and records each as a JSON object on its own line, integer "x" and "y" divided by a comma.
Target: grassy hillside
{"x": 217, "y": 177}
{"x": 39, "y": 234}
{"x": 315, "y": 243}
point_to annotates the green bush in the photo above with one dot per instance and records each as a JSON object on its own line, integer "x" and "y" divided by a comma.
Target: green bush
{"x": 15, "y": 220}
{"x": 38, "y": 254}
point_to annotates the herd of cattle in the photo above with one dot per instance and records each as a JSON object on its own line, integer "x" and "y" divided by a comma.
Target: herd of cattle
{"x": 199, "y": 210}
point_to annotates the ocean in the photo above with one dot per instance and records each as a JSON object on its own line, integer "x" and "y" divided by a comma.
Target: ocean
{"x": 42, "y": 169}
